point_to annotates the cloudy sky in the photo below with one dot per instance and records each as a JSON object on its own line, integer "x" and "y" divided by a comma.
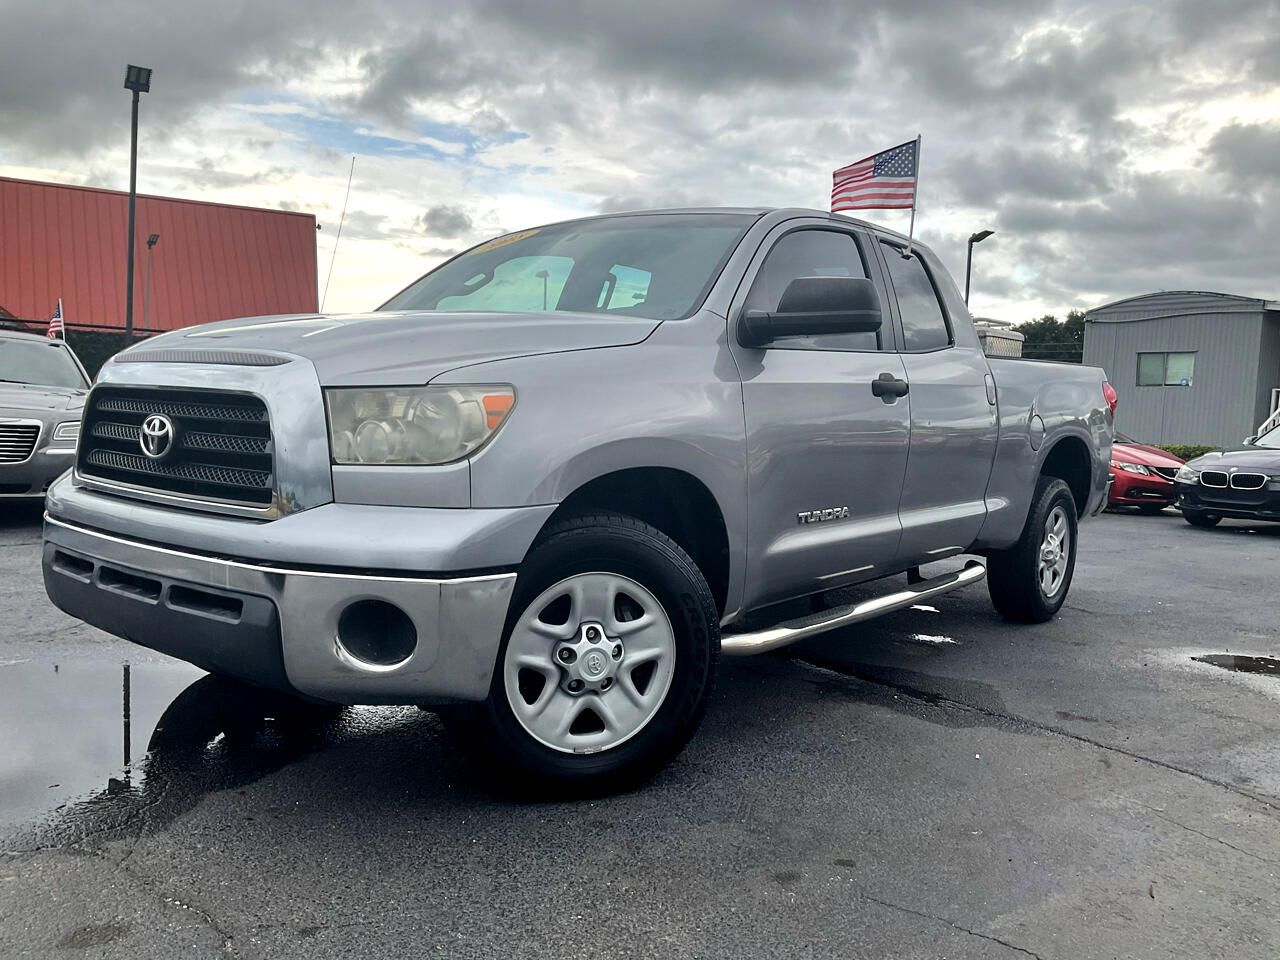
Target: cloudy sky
{"x": 1114, "y": 148}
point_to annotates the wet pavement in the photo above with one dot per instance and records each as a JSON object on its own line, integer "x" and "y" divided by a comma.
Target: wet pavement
{"x": 935, "y": 784}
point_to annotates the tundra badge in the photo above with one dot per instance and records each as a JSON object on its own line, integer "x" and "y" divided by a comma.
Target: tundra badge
{"x": 820, "y": 516}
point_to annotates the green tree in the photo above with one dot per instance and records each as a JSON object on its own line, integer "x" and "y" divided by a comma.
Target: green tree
{"x": 1049, "y": 338}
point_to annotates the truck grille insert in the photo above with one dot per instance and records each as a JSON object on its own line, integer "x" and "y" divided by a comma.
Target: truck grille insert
{"x": 218, "y": 448}
{"x": 17, "y": 441}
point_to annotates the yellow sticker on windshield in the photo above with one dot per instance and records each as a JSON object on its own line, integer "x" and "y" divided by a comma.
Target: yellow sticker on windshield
{"x": 497, "y": 242}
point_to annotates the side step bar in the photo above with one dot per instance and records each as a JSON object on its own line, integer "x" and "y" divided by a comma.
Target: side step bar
{"x": 789, "y": 631}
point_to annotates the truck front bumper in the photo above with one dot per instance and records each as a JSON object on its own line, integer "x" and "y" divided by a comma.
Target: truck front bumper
{"x": 278, "y": 626}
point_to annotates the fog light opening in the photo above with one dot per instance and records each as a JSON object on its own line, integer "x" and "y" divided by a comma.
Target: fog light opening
{"x": 377, "y": 632}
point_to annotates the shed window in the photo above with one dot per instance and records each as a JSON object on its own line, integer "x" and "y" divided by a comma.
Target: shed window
{"x": 1166, "y": 369}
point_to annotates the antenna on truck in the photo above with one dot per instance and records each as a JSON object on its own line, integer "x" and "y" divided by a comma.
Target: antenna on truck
{"x": 338, "y": 238}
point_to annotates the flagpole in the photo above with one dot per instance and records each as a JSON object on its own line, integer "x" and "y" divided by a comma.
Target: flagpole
{"x": 64, "y": 320}
{"x": 915, "y": 194}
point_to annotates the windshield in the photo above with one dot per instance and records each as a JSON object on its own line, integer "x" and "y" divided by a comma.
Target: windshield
{"x": 30, "y": 361}
{"x": 1270, "y": 439}
{"x": 659, "y": 267}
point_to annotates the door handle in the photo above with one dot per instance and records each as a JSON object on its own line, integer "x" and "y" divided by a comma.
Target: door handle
{"x": 889, "y": 388}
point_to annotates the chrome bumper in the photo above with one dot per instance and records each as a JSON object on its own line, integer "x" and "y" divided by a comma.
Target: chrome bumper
{"x": 144, "y": 593}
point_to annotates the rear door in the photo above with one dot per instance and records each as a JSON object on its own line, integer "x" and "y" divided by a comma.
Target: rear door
{"x": 826, "y": 454}
{"x": 953, "y": 412}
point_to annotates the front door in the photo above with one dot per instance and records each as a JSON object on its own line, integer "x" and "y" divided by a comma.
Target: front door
{"x": 826, "y": 452}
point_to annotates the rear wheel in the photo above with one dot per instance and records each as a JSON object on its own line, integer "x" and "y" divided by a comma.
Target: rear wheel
{"x": 1198, "y": 518}
{"x": 607, "y": 662}
{"x": 1029, "y": 581}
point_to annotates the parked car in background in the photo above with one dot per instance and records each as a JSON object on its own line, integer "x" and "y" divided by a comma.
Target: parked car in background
{"x": 535, "y": 487}
{"x": 42, "y": 391}
{"x": 1142, "y": 475}
{"x": 1243, "y": 484}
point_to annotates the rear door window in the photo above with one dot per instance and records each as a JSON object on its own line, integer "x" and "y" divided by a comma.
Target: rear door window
{"x": 924, "y": 324}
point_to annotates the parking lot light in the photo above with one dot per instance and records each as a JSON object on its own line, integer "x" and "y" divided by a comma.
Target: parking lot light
{"x": 138, "y": 80}
{"x": 968, "y": 261}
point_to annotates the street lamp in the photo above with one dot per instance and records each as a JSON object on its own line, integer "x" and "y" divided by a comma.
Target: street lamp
{"x": 146, "y": 283}
{"x": 137, "y": 79}
{"x": 968, "y": 262}
{"x": 545, "y": 277}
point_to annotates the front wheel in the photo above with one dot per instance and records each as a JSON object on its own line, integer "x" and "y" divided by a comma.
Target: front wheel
{"x": 1029, "y": 581}
{"x": 607, "y": 662}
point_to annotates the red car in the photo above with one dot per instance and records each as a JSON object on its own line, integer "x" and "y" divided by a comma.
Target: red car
{"x": 1142, "y": 476}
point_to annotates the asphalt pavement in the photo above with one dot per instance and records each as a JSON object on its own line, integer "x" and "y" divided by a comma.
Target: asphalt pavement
{"x": 936, "y": 784}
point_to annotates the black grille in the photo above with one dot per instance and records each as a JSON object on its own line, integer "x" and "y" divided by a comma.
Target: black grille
{"x": 1248, "y": 481}
{"x": 1213, "y": 478}
{"x": 221, "y": 446}
{"x": 1167, "y": 472}
{"x": 17, "y": 440}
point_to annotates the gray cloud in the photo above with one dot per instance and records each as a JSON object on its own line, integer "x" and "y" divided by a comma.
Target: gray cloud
{"x": 1250, "y": 153}
{"x": 444, "y": 221}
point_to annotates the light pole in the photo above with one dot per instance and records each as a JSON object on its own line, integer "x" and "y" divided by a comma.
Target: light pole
{"x": 146, "y": 283}
{"x": 968, "y": 261}
{"x": 137, "y": 79}
{"x": 545, "y": 277}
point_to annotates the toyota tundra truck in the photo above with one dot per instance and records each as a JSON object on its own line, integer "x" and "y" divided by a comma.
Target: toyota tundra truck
{"x": 541, "y": 488}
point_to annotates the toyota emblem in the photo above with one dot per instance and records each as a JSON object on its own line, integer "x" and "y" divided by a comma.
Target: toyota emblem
{"x": 156, "y": 436}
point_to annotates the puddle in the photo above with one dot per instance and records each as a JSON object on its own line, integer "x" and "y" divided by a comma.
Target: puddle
{"x": 1240, "y": 664}
{"x": 103, "y": 748}
{"x": 72, "y": 729}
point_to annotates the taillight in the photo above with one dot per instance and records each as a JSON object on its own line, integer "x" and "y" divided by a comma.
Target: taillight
{"x": 1109, "y": 394}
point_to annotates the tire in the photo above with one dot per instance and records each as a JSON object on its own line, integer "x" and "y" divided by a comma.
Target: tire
{"x": 1151, "y": 510}
{"x": 641, "y": 690}
{"x": 1198, "y": 518}
{"x": 1025, "y": 585}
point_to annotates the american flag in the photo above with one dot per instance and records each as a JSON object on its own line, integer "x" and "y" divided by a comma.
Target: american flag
{"x": 883, "y": 181}
{"x": 56, "y": 327}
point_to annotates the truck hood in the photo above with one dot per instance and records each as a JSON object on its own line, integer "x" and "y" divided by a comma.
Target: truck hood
{"x": 1259, "y": 459}
{"x": 38, "y": 396}
{"x": 407, "y": 347}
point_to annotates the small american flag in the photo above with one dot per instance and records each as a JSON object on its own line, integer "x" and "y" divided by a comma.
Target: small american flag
{"x": 883, "y": 181}
{"x": 56, "y": 327}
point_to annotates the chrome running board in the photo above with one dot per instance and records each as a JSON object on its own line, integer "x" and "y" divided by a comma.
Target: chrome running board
{"x": 789, "y": 631}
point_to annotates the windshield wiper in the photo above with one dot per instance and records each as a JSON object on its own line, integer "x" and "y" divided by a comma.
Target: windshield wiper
{"x": 25, "y": 383}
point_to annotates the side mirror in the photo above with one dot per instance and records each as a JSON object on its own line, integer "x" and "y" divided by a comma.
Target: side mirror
{"x": 813, "y": 306}
{"x": 1250, "y": 441}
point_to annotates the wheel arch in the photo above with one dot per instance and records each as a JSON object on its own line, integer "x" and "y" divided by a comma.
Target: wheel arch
{"x": 1070, "y": 460}
{"x": 672, "y": 500}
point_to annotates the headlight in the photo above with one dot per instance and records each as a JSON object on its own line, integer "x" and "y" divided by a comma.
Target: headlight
{"x": 67, "y": 431}
{"x": 402, "y": 425}
{"x": 1187, "y": 474}
{"x": 1130, "y": 467}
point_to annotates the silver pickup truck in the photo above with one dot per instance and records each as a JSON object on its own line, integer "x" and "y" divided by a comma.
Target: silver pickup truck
{"x": 541, "y": 487}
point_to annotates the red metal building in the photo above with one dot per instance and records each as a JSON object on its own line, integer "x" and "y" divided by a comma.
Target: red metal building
{"x": 213, "y": 261}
